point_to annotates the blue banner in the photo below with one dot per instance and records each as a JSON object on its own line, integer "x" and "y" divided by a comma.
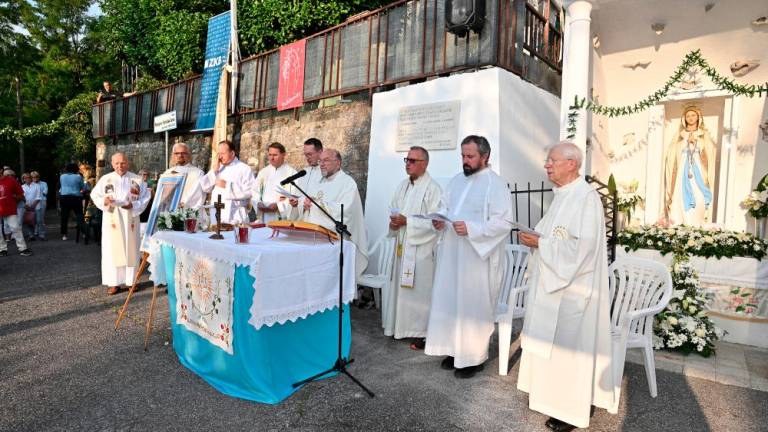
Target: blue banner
{"x": 216, "y": 49}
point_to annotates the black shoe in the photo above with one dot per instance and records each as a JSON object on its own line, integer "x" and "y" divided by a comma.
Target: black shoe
{"x": 31, "y": 238}
{"x": 467, "y": 372}
{"x": 25, "y": 252}
{"x": 559, "y": 425}
{"x": 447, "y": 363}
{"x": 3, "y": 253}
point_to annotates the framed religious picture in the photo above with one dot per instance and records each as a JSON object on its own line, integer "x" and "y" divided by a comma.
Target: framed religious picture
{"x": 167, "y": 197}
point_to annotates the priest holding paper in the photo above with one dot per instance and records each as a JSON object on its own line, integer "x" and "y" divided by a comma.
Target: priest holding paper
{"x": 192, "y": 196}
{"x": 122, "y": 196}
{"x": 566, "y": 363}
{"x": 335, "y": 189}
{"x": 470, "y": 262}
{"x": 405, "y": 306}
{"x": 313, "y": 148}
{"x": 230, "y": 181}
{"x": 269, "y": 203}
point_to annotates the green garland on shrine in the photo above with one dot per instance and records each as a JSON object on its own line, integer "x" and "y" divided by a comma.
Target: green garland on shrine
{"x": 693, "y": 59}
{"x": 12, "y": 134}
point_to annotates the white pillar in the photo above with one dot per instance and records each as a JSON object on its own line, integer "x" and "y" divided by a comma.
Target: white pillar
{"x": 576, "y": 56}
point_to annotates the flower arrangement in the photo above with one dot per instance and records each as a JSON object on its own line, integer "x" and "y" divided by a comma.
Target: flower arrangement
{"x": 628, "y": 200}
{"x": 756, "y": 203}
{"x": 175, "y": 220}
{"x": 683, "y": 240}
{"x": 684, "y": 324}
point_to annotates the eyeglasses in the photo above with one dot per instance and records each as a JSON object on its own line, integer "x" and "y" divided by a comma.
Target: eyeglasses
{"x": 180, "y": 153}
{"x": 327, "y": 160}
{"x": 551, "y": 161}
{"x": 412, "y": 161}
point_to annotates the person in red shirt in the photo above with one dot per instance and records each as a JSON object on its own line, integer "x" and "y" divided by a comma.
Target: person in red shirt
{"x": 10, "y": 195}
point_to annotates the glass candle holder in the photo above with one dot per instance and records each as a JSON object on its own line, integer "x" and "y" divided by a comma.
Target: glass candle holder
{"x": 242, "y": 233}
{"x": 190, "y": 225}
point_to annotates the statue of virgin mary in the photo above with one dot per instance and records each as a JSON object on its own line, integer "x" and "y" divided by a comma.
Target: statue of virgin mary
{"x": 689, "y": 172}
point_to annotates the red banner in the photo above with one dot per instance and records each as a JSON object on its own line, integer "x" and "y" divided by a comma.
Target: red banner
{"x": 290, "y": 86}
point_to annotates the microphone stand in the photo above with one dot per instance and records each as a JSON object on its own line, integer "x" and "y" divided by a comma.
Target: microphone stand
{"x": 341, "y": 362}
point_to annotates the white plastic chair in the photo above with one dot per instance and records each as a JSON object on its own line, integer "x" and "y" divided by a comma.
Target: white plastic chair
{"x": 639, "y": 289}
{"x": 511, "y": 304}
{"x": 385, "y": 246}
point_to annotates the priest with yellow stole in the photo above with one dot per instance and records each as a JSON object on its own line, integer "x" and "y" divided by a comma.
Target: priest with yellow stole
{"x": 122, "y": 196}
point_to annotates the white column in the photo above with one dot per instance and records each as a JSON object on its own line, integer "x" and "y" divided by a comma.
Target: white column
{"x": 576, "y": 55}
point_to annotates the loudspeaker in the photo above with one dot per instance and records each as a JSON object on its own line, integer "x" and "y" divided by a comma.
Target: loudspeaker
{"x": 461, "y": 16}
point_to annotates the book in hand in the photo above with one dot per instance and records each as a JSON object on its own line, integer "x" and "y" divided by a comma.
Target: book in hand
{"x": 437, "y": 216}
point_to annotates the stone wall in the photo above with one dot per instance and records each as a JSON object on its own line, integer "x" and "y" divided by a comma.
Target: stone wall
{"x": 345, "y": 127}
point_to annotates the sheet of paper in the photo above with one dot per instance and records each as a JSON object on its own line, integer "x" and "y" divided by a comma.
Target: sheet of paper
{"x": 434, "y": 216}
{"x": 282, "y": 191}
{"x": 524, "y": 228}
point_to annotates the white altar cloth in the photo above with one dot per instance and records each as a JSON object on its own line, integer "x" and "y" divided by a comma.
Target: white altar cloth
{"x": 293, "y": 276}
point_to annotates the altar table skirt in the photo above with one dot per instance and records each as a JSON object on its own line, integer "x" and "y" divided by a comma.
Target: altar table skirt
{"x": 266, "y": 362}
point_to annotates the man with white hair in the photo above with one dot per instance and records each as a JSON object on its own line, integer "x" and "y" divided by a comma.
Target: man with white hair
{"x": 566, "y": 363}
{"x": 192, "y": 196}
{"x": 122, "y": 196}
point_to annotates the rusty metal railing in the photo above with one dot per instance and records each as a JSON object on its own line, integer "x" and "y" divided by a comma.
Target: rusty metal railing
{"x": 401, "y": 42}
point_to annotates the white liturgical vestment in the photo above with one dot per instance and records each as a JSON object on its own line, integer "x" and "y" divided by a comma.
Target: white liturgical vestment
{"x": 566, "y": 340}
{"x": 120, "y": 228}
{"x": 265, "y": 191}
{"x": 235, "y": 195}
{"x": 405, "y": 305}
{"x": 309, "y": 184}
{"x": 192, "y": 196}
{"x": 333, "y": 192}
{"x": 469, "y": 268}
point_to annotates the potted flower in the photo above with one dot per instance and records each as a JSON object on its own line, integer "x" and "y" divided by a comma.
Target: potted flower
{"x": 756, "y": 204}
{"x": 175, "y": 220}
{"x": 628, "y": 200}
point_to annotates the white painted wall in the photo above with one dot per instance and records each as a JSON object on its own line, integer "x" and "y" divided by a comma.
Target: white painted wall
{"x": 518, "y": 119}
{"x": 724, "y": 35}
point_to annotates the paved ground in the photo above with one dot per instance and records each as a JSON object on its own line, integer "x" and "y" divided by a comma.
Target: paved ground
{"x": 63, "y": 367}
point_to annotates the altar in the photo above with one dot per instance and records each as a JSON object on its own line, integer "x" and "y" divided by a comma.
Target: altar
{"x": 739, "y": 289}
{"x": 253, "y": 319}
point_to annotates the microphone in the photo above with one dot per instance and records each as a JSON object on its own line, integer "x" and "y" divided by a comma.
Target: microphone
{"x": 290, "y": 179}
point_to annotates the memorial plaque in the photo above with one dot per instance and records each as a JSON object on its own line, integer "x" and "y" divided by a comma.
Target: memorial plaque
{"x": 433, "y": 126}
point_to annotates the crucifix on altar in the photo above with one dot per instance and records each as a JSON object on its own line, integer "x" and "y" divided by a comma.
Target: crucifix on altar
{"x": 218, "y": 206}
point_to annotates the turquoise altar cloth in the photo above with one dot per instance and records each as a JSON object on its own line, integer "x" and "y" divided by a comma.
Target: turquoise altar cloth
{"x": 265, "y": 362}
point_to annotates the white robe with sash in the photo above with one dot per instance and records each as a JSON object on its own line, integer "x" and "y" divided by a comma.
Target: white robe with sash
{"x": 566, "y": 362}
{"x": 405, "y": 305}
{"x": 235, "y": 195}
{"x": 120, "y": 227}
{"x": 265, "y": 191}
{"x": 469, "y": 268}
{"x": 333, "y": 192}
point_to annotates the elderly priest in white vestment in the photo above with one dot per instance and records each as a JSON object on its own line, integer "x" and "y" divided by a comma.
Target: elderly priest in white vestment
{"x": 335, "y": 189}
{"x": 122, "y": 196}
{"x": 566, "y": 363}
{"x": 267, "y": 201}
{"x": 192, "y": 196}
{"x": 405, "y": 306}
{"x": 233, "y": 181}
{"x": 470, "y": 262}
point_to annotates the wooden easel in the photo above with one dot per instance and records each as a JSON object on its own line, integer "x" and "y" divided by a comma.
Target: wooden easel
{"x": 139, "y": 272}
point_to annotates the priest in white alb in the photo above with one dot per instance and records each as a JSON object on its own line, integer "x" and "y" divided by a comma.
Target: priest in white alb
{"x": 231, "y": 181}
{"x": 269, "y": 203}
{"x": 313, "y": 148}
{"x": 335, "y": 189}
{"x": 470, "y": 262}
{"x": 566, "y": 362}
{"x": 122, "y": 196}
{"x": 192, "y": 196}
{"x": 405, "y": 305}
